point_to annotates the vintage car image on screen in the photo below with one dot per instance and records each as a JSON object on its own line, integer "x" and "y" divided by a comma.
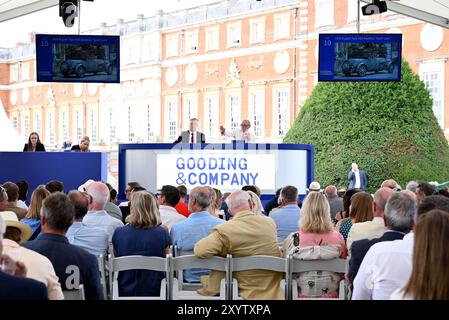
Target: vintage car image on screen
{"x": 362, "y": 59}
{"x": 363, "y": 65}
{"x": 80, "y": 67}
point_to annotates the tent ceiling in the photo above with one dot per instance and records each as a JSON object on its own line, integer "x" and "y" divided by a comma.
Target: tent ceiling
{"x": 10, "y": 9}
{"x": 432, "y": 11}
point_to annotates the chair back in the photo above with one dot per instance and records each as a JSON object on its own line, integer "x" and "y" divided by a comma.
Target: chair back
{"x": 137, "y": 263}
{"x": 333, "y": 265}
{"x": 183, "y": 262}
{"x": 102, "y": 267}
{"x": 76, "y": 294}
{"x": 260, "y": 262}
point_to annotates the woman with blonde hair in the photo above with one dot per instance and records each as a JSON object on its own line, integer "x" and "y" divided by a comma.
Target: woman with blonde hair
{"x": 257, "y": 204}
{"x": 429, "y": 279}
{"x": 33, "y": 216}
{"x": 142, "y": 235}
{"x": 316, "y": 240}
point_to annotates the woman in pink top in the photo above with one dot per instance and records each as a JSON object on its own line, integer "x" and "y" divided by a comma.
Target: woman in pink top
{"x": 316, "y": 240}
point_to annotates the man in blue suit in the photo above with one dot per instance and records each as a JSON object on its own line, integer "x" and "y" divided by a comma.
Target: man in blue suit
{"x": 16, "y": 286}
{"x": 357, "y": 178}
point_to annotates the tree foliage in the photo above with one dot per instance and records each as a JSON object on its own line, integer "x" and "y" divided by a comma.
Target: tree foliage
{"x": 388, "y": 128}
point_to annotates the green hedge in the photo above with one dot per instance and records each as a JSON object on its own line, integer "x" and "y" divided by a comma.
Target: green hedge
{"x": 388, "y": 128}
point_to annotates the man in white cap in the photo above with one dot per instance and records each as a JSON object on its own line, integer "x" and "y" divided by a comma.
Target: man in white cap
{"x": 14, "y": 285}
{"x": 38, "y": 266}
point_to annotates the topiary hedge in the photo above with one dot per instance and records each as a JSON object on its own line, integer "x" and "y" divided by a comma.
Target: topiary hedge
{"x": 388, "y": 128}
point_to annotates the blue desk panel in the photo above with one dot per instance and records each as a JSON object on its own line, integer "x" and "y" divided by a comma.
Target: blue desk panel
{"x": 71, "y": 168}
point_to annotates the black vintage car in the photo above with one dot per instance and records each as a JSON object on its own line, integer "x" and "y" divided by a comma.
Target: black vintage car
{"x": 362, "y": 65}
{"x": 80, "y": 67}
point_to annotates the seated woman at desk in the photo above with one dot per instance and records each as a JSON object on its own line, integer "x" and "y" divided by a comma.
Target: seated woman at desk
{"x": 34, "y": 143}
{"x": 83, "y": 146}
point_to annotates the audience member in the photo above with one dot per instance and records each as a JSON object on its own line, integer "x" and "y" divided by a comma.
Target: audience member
{"x": 13, "y": 195}
{"x": 387, "y": 265}
{"x": 399, "y": 215}
{"x": 113, "y": 196}
{"x": 112, "y": 209}
{"x": 83, "y": 146}
{"x": 14, "y": 285}
{"x": 314, "y": 186}
{"x": 360, "y": 211}
{"x": 252, "y": 188}
{"x": 316, "y": 240}
{"x": 373, "y": 228}
{"x": 287, "y": 217}
{"x": 187, "y": 233}
{"x": 38, "y": 266}
{"x": 245, "y": 235}
{"x": 182, "y": 207}
{"x": 168, "y": 199}
{"x": 55, "y": 186}
{"x": 224, "y": 206}
{"x": 213, "y": 198}
{"x": 92, "y": 239}
{"x": 23, "y": 193}
{"x": 257, "y": 204}
{"x": 412, "y": 185}
{"x": 391, "y": 184}
{"x": 273, "y": 203}
{"x": 3, "y": 199}
{"x": 98, "y": 196}
{"x": 429, "y": 278}
{"x": 57, "y": 216}
{"x": 346, "y": 204}
{"x": 141, "y": 236}
{"x": 341, "y": 192}
{"x": 335, "y": 202}
{"x": 34, "y": 143}
{"x": 218, "y": 203}
{"x": 424, "y": 190}
{"x": 129, "y": 188}
{"x": 33, "y": 216}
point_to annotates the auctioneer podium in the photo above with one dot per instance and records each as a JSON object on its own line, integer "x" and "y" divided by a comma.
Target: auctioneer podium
{"x": 227, "y": 167}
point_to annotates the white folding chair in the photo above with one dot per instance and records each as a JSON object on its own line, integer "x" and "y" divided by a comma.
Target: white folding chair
{"x": 261, "y": 262}
{"x": 333, "y": 265}
{"x": 137, "y": 263}
{"x": 102, "y": 268}
{"x": 76, "y": 294}
{"x": 177, "y": 264}
{"x": 179, "y": 275}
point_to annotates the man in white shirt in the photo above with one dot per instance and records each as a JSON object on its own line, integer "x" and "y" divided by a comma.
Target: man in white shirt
{"x": 98, "y": 196}
{"x": 192, "y": 135}
{"x": 168, "y": 198}
{"x": 375, "y": 228}
{"x": 240, "y": 134}
{"x": 387, "y": 265}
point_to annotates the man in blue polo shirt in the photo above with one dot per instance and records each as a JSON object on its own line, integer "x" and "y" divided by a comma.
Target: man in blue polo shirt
{"x": 287, "y": 216}
{"x": 187, "y": 233}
